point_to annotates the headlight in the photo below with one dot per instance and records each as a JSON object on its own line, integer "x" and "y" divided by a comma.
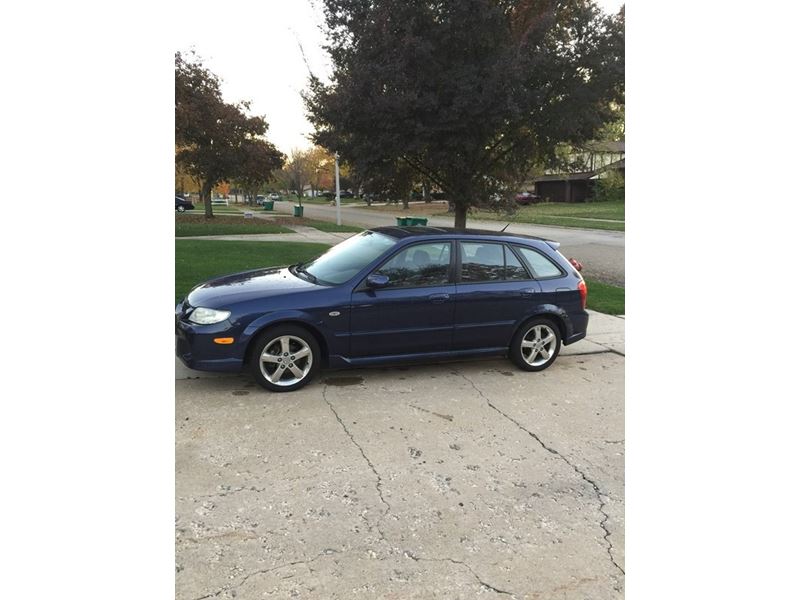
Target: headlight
{"x": 208, "y": 316}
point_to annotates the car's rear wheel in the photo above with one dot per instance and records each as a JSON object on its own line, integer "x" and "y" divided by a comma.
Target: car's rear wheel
{"x": 536, "y": 345}
{"x": 181, "y": 208}
{"x": 285, "y": 358}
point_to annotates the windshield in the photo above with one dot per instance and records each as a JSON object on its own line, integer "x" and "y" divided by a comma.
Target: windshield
{"x": 345, "y": 260}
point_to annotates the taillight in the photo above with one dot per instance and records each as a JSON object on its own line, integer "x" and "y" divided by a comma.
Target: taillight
{"x": 582, "y": 290}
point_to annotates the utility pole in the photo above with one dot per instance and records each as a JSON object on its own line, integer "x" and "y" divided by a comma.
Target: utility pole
{"x": 338, "y": 197}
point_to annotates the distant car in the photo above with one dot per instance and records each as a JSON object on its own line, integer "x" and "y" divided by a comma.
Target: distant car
{"x": 274, "y": 196}
{"x": 388, "y": 295}
{"x": 260, "y": 200}
{"x": 527, "y": 198}
{"x": 344, "y": 194}
{"x": 181, "y": 204}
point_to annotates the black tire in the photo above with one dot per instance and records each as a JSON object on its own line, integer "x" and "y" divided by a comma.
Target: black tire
{"x": 283, "y": 377}
{"x": 533, "y": 358}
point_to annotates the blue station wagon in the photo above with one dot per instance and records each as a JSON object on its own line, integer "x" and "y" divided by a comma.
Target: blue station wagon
{"x": 388, "y": 295}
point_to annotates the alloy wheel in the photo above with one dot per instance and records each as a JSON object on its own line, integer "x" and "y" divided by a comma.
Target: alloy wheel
{"x": 286, "y": 360}
{"x": 538, "y": 345}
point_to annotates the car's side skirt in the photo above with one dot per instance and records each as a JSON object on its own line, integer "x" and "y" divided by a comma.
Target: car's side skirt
{"x": 337, "y": 361}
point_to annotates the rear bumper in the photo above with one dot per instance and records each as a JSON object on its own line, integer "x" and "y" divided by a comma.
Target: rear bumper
{"x": 579, "y": 323}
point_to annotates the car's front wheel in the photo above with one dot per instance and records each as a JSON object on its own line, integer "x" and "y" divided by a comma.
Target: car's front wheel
{"x": 536, "y": 345}
{"x": 181, "y": 208}
{"x": 284, "y": 358}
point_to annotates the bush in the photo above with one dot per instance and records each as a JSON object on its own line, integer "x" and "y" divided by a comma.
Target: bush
{"x": 610, "y": 189}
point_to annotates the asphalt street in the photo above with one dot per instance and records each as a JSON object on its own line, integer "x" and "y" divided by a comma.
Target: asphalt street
{"x": 601, "y": 252}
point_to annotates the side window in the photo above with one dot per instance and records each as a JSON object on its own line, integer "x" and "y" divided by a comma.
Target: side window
{"x": 542, "y": 266}
{"x": 482, "y": 262}
{"x": 514, "y": 268}
{"x": 417, "y": 266}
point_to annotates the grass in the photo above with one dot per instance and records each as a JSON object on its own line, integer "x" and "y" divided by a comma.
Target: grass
{"x": 605, "y": 298}
{"x": 191, "y": 225}
{"x": 200, "y": 260}
{"x": 332, "y": 227}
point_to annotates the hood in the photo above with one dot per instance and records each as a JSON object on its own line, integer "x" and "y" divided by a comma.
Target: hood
{"x": 249, "y": 285}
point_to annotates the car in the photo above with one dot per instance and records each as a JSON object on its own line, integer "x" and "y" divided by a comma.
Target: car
{"x": 274, "y": 196}
{"x": 181, "y": 204}
{"x": 260, "y": 200}
{"x": 526, "y": 197}
{"x": 388, "y": 295}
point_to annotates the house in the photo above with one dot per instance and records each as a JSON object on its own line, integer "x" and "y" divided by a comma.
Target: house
{"x": 593, "y": 161}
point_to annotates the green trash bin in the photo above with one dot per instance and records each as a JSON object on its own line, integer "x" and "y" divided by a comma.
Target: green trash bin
{"x": 269, "y": 205}
{"x": 298, "y": 211}
{"x": 403, "y": 221}
{"x": 418, "y": 221}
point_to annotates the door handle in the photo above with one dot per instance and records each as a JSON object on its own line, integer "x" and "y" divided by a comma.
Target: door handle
{"x": 439, "y": 298}
{"x": 529, "y": 292}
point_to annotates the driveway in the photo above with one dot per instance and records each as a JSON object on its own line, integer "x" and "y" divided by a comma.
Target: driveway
{"x": 456, "y": 480}
{"x": 601, "y": 252}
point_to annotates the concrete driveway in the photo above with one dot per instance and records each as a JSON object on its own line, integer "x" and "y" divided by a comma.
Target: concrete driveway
{"x": 456, "y": 480}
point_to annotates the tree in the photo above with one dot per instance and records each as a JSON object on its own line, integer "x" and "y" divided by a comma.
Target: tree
{"x": 468, "y": 94}
{"x": 299, "y": 172}
{"x": 216, "y": 141}
{"x": 258, "y": 162}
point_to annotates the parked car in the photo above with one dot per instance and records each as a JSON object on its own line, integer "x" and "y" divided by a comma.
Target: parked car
{"x": 181, "y": 204}
{"x": 526, "y": 198}
{"x": 274, "y": 196}
{"x": 260, "y": 200}
{"x": 388, "y": 295}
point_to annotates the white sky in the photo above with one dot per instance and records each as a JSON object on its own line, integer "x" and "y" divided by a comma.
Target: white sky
{"x": 258, "y": 56}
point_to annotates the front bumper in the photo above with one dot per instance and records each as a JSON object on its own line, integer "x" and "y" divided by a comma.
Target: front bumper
{"x": 194, "y": 345}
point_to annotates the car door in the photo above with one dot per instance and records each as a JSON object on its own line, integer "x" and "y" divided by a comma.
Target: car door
{"x": 413, "y": 313}
{"x": 493, "y": 290}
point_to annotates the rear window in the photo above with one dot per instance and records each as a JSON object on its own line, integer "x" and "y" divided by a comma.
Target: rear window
{"x": 542, "y": 267}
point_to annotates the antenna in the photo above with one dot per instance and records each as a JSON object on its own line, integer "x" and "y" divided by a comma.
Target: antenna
{"x": 504, "y": 228}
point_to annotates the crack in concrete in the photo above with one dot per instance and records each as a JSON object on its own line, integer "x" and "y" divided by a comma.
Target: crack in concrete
{"x": 459, "y": 562}
{"x": 593, "y": 352}
{"x": 326, "y": 552}
{"x": 223, "y": 493}
{"x": 379, "y": 480}
{"x": 378, "y": 487}
{"x": 604, "y": 521}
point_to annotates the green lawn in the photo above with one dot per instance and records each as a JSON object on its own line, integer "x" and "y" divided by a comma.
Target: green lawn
{"x": 199, "y": 260}
{"x": 605, "y": 298}
{"x": 185, "y": 228}
{"x": 563, "y": 214}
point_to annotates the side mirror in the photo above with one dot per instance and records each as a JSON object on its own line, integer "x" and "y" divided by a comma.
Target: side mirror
{"x": 375, "y": 280}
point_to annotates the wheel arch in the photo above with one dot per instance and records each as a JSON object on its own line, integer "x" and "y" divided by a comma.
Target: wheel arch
{"x": 323, "y": 345}
{"x": 554, "y": 316}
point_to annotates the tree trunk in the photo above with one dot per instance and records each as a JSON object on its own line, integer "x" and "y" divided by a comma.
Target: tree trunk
{"x": 205, "y": 196}
{"x": 426, "y": 193}
{"x": 405, "y": 202}
{"x": 461, "y": 216}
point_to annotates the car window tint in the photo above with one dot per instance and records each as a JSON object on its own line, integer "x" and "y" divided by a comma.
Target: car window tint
{"x": 482, "y": 262}
{"x": 514, "y": 268}
{"x": 419, "y": 265}
{"x": 542, "y": 266}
